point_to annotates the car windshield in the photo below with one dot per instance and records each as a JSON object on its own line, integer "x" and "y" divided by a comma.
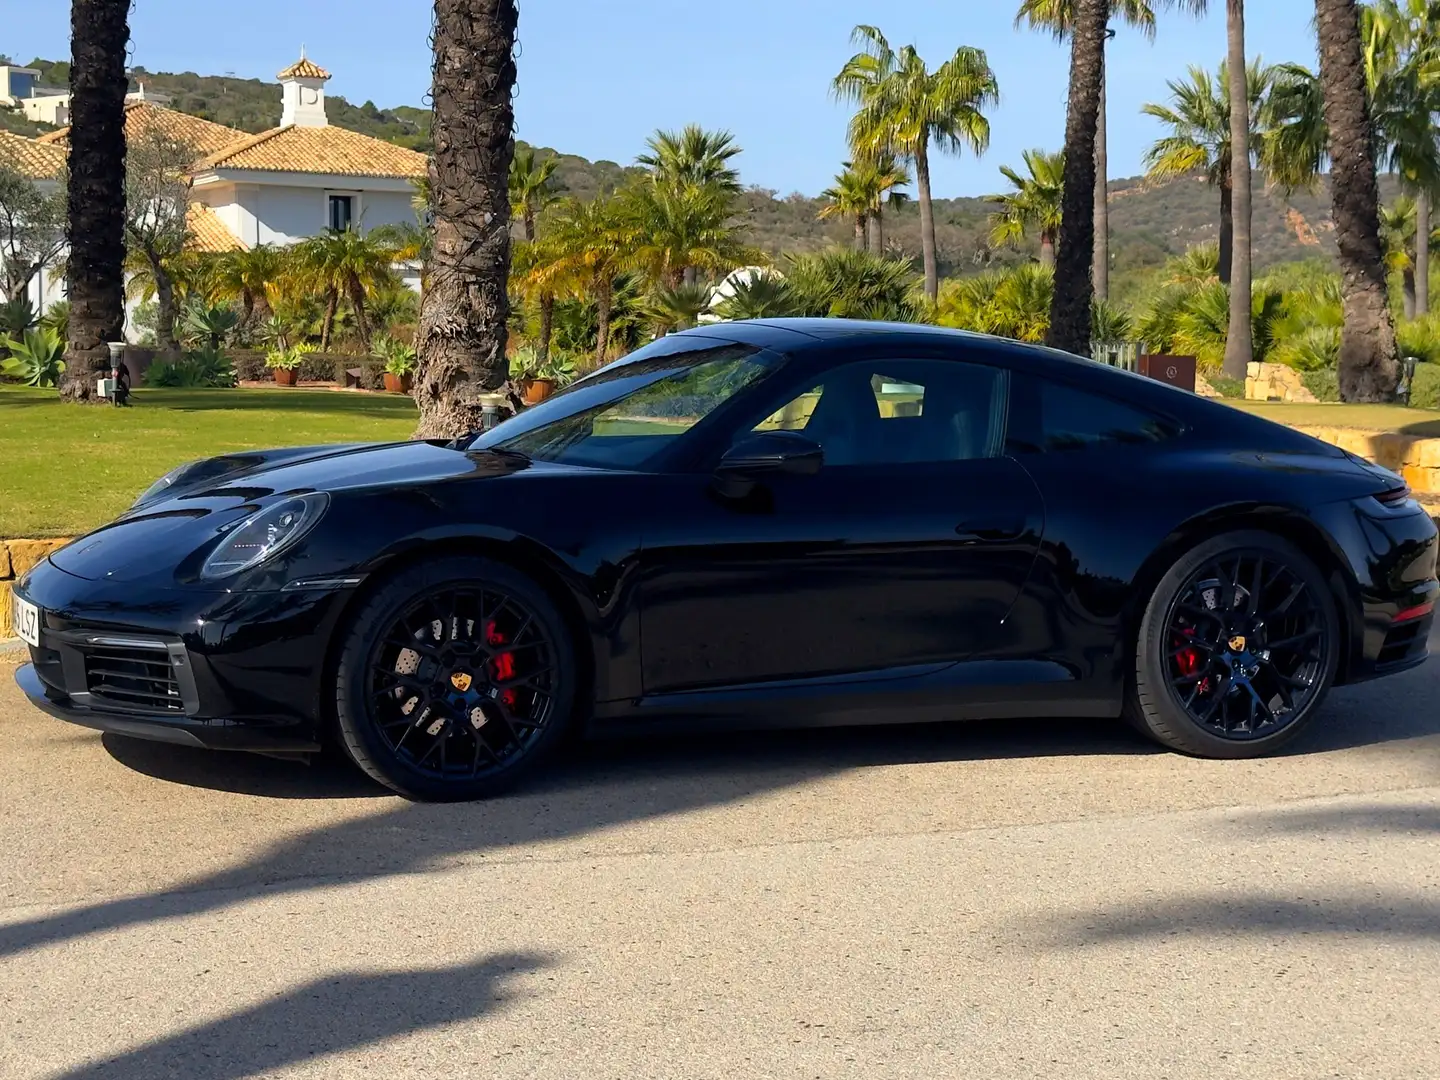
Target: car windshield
{"x": 623, "y": 415}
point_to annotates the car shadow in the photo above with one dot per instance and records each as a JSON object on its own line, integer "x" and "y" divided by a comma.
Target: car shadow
{"x": 599, "y": 763}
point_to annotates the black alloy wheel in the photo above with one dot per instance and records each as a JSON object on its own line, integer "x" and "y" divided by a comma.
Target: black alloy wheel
{"x": 1238, "y": 647}
{"x": 456, "y": 679}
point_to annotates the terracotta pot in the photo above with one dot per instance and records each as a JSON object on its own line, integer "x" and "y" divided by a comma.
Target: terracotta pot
{"x": 397, "y": 384}
{"x": 286, "y": 376}
{"x": 534, "y": 391}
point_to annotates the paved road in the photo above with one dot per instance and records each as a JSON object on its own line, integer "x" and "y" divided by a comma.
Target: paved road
{"x": 989, "y": 901}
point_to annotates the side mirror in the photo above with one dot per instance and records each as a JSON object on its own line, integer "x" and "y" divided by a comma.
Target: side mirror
{"x": 766, "y": 453}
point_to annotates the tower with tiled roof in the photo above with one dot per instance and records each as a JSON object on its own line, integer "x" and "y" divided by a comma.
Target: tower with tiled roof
{"x": 302, "y": 94}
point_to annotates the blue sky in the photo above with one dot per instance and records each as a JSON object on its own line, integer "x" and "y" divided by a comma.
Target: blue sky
{"x": 597, "y": 76}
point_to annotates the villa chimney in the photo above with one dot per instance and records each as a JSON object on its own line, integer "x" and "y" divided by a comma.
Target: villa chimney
{"x": 302, "y": 94}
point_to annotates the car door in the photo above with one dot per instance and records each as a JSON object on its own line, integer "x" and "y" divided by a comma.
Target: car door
{"x": 904, "y": 552}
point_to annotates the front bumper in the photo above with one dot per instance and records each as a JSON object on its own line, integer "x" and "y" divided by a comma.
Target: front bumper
{"x": 235, "y": 671}
{"x": 182, "y": 731}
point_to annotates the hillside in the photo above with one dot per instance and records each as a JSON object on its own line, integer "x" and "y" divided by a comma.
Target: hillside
{"x": 1148, "y": 221}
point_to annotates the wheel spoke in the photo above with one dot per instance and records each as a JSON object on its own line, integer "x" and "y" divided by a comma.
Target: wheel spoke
{"x": 1198, "y": 612}
{"x": 1290, "y": 598}
{"x": 1295, "y": 639}
{"x": 1255, "y": 587}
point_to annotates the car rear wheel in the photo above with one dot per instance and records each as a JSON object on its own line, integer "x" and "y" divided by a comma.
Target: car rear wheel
{"x": 456, "y": 679}
{"x": 1237, "y": 648}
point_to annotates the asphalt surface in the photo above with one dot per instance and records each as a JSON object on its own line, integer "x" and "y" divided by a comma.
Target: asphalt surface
{"x": 1021, "y": 900}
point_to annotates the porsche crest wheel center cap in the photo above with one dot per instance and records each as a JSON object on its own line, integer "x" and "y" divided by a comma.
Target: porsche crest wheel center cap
{"x": 461, "y": 681}
{"x": 1237, "y": 643}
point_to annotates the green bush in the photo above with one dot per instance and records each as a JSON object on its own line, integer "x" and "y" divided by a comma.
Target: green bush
{"x": 1425, "y": 390}
{"x": 1324, "y": 383}
{"x": 1420, "y": 338}
{"x": 203, "y": 368}
{"x": 1226, "y": 386}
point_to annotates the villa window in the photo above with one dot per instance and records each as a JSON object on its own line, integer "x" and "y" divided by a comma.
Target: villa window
{"x": 342, "y": 212}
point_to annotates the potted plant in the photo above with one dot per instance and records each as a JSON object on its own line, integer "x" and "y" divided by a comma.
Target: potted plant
{"x": 399, "y": 360}
{"x": 526, "y": 369}
{"x": 284, "y": 364}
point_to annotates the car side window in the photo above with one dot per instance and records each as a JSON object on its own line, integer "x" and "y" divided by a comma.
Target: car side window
{"x": 1066, "y": 419}
{"x": 900, "y": 412}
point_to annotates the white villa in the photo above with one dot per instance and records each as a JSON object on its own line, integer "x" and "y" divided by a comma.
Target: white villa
{"x": 277, "y": 187}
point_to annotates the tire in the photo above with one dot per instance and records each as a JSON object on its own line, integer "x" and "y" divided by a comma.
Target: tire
{"x": 407, "y": 654}
{"x": 1193, "y": 690}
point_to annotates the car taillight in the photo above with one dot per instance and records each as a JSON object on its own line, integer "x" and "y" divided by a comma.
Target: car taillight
{"x": 1394, "y": 497}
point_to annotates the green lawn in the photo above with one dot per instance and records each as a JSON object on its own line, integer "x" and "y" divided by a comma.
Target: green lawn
{"x": 65, "y": 469}
{"x": 1423, "y": 422}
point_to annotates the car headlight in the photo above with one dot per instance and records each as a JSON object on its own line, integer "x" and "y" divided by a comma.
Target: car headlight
{"x": 159, "y": 487}
{"x": 265, "y": 534}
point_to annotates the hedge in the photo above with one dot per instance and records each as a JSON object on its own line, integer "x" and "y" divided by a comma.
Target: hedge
{"x": 316, "y": 367}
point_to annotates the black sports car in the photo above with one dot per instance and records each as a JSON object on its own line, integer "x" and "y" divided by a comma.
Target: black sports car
{"x": 792, "y": 522}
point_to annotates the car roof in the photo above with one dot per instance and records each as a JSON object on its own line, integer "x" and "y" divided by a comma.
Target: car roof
{"x": 820, "y": 336}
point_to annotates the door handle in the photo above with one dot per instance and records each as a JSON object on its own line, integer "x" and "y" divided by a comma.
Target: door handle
{"x": 989, "y": 534}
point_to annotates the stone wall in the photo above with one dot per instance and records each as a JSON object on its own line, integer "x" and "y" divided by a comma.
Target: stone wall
{"x": 1275, "y": 382}
{"x": 16, "y": 557}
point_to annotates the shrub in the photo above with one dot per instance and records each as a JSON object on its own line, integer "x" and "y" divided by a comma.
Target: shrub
{"x": 35, "y": 359}
{"x": 203, "y": 368}
{"x": 1323, "y": 383}
{"x": 57, "y": 318}
{"x": 249, "y": 365}
{"x": 1420, "y": 338}
{"x": 16, "y": 316}
{"x": 1226, "y": 386}
{"x": 1425, "y": 389}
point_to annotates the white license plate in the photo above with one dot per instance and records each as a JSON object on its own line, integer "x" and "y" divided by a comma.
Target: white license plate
{"x": 26, "y": 620}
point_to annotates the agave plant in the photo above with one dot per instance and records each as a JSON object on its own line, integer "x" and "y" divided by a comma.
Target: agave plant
{"x": 35, "y": 359}
{"x": 399, "y": 356}
{"x": 678, "y": 307}
{"x": 16, "y": 316}
{"x": 210, "y": 323}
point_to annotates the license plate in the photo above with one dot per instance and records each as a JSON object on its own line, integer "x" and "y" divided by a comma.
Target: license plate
{"x": 26, "y": 620}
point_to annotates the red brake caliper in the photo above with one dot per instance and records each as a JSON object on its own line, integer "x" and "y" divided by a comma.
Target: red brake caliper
{"x": 1188, "y": 659}
{"x": 502, "y": 665}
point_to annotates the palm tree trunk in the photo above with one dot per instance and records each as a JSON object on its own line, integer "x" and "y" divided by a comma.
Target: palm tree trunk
{"x": 461, "y": 339}
{"x": 1239, "y": 346}
{"x": 927, "y": 221}
{"x": 527, "y": 223}
{"x": 862, "y": 233}
{"x": 165, "y": 313}
{"x": 1422, "y": 253}
{"x": 1047, "y": 249}
{"x": 95, "y": 208}
{"x": 1368, "y": 367}
{"x": 547, "y": 323}
{"x": 1071, "y": 302}
{"x": 1101, "y": 271}
{"x": 332, "y": 301}
{"x": 879, "y": 220}
{"x": 1407, "y": 292}
{"x": 357, "y": 301}
{"x": 602, "y": 332}
{"x": 1227, "y": 228}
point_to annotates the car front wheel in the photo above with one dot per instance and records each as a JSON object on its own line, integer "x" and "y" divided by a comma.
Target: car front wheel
{"x": 456, "y": 679}
{"x": 1237, "y": 648}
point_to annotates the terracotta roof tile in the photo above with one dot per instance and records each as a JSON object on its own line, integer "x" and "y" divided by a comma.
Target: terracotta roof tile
{"x": 142, "y": 116}
{"x": 33, "y": 159}
{"x": 208, "y": 233}
{"x": 318, "y": 150}
{"x": 304, "y": 69}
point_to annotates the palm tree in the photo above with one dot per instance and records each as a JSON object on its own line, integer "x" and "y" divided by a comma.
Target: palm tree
{"x": 1057, "y": 16}
{"x": 584, "y": 249}
{"x": 678, "y": 307}
{"x": 671, "y": 231}
{"x": 904, "y": 108}
{"x": 849, "y": 197}
{"x": 530, "y": 188}
{"x": 884, "y": 176}
{"x": 1073, "y": 296}
{"x": 463, "y": 316}
{"x": 1239, "y": 345}
{"x": 1368, "y": 367}
{"x": 248, "y": 276}
{"x": 1034, "y": 204}
{"x": 693, "y": 156}
{"x": 1397, "y": 233}
{"x": 1198, "y": 117}
{"x": 1402, "y": 59}
{"x": 345, "y": 264}
{"x": 95, "y": 276}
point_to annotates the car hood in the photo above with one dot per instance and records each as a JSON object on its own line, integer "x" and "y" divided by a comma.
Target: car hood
{"x": 166, "y": 527}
